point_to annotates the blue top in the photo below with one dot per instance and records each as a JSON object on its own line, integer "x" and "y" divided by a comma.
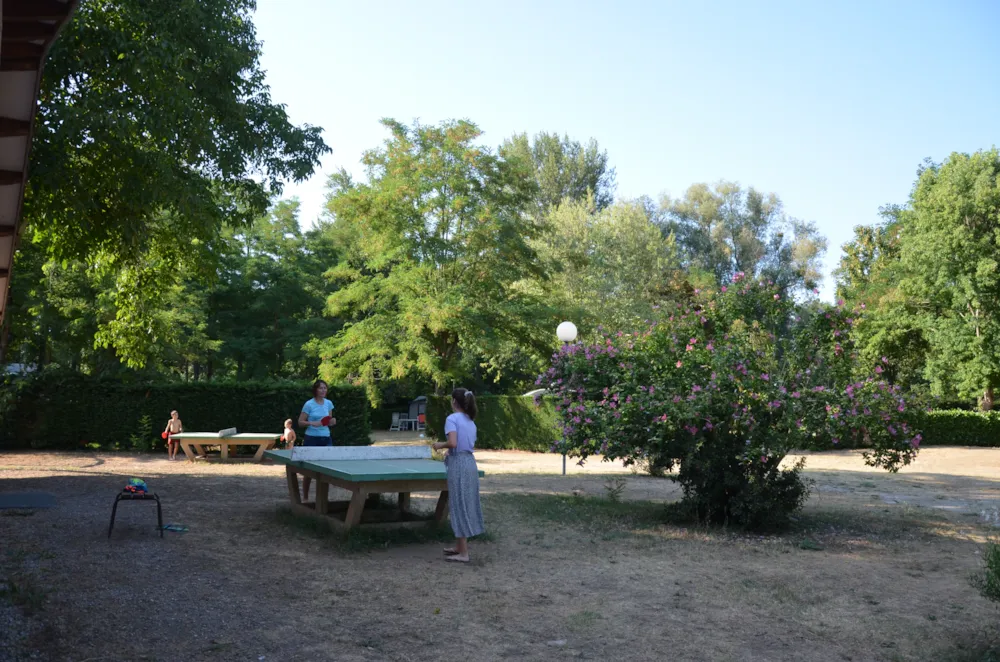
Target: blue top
{"x": 465, "y": 430}
{"x": 316, "y": 411}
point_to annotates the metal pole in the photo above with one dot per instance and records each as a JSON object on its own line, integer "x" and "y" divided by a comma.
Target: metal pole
{"x": 564, "y": 464}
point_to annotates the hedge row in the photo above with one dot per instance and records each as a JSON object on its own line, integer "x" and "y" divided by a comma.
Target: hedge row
{"x": 957, "y": 427}
{"x": 63, "y": 410}
{"x": 504, "y": 422}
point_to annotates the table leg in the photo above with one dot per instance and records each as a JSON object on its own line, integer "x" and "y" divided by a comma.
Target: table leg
{"x": 224, "y": 448}
{"x": 114, "y": 510}
{"x": 355, "y": 509}
{"x": 200, "y": 450}
{"x": 293, "y": 485}
{"x": 322, "y": 497}
{"x": 186, "y": 447}
{"x": 159, "y": 516}
{"x": 441, "y": 512}
{"x": 404, "y": 502}
{"x": 259, "y": 455}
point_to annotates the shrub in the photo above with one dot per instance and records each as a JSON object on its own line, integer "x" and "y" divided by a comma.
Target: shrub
{"x": 57, "y": 409}
{"x": 725, "y": 386}
{"x": 987, "y": 580}
{"x": 957, "y": 427}
{"x": 504, "y": 422}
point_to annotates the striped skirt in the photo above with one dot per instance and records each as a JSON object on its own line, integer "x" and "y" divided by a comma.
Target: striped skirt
{"x": 463, "y": 495}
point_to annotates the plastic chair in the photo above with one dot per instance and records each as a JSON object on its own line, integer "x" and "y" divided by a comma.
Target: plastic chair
{"x": 395, "y": 422}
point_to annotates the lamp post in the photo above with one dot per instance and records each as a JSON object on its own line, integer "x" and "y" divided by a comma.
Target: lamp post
{"x": 566, "y": 332}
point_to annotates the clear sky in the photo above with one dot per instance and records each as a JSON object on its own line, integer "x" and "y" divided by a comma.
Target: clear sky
{"x": 831, "y": 105}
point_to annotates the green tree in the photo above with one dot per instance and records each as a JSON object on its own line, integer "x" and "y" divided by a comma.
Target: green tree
{"x": 437, "y": 260}
{"x": 564, "y": 169}
{"x": 155, "y": 128}
{"x": 949, "y": 256}
{"x": 726, "y": 230}
{"x": 612, "y": 266}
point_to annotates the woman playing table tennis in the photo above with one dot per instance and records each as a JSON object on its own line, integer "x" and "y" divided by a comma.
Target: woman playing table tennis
{"x": 463, "y": 475}
{"x": 316, "y": 418}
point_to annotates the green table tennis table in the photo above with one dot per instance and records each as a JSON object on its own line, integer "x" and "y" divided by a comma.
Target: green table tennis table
{"x": 198, "y": 440}
{"x": 365, "y": 472}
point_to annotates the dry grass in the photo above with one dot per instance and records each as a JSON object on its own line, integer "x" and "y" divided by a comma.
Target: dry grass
{"x": 876, "y": 568}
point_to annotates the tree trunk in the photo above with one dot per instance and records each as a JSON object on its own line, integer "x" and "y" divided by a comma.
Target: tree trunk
{"x": 986, "y": 403}
{"x": 208, "y": 374}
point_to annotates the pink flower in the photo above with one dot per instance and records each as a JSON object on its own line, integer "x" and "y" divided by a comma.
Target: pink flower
{"x": 836, "y": 441}
{"x": 915, "y": 442}
{"x": 777, "y": 296}
{"x": 765, "y": 377}
{"x": 724, "y": 288}
{"x": 815, "y": 290}
{"x": 710, "y": 347}
{"x": 878, "y": 370}
{"x": 679, "y": 364}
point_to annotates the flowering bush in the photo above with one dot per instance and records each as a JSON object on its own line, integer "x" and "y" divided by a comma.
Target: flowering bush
{"x": 724, "y": 387}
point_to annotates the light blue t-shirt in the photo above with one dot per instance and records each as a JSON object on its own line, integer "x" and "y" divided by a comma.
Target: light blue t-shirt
{"x": 315, "y": 412}
{"x": 465, "y": 430}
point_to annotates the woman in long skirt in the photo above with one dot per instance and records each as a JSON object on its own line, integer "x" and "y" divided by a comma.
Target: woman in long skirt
{"x": 463, "y": 475}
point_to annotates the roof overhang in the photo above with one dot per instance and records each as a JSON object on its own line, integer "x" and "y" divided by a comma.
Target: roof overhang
{"x": 27, "y": 30}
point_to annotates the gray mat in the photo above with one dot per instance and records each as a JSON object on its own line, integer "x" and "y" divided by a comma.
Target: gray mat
{"x": 26, "y": 500}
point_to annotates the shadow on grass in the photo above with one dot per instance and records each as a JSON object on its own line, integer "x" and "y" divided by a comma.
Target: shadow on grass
{"x": 813, "y": 529}
{"x": 362, "y": 539}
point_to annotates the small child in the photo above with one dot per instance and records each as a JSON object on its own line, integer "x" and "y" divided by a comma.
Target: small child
{"x": 288, "y": 436}
{"x": 174, "y": 426}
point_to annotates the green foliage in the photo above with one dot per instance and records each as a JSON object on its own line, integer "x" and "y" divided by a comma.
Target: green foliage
{"x": 142, "y": 439}
{"x": 155, "y": 129}
{"x": 503, "y": 423}
{"x": 564, "y": 169}
{"x": 957, "y": 427}
{"x": 438, "y": 246}
{"x": 987, "y": 579}
{"x": 725, "y": 230}
{"x": 64, "y": 410}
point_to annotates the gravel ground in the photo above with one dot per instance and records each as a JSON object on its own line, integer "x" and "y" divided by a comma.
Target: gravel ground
{"x": 244, "y": 584}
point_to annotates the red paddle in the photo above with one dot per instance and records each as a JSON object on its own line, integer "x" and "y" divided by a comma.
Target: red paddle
{"x": 324, "y": 421}
{"x": 163, "y": 435}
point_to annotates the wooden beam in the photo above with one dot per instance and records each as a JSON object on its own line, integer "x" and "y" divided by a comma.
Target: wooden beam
{"x": 35, "y": 10}
{"x": 20, "y": 63}
{"x": 6, "y": 231}
{"x": 12, "y": 128}
{"x": 11, "y": 177}
{"x": 22, "y": 49}
{"x": 4, "y": 273}
{"x": 28, "y": 32}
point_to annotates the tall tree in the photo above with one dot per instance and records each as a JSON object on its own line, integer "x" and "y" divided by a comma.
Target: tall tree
{"x": 614, "y": 266}
{"x": 950, "y": 258}
{"x": 155, "y": 128}
{"x": 564, "y": 169}
{"x": 437, "y": 253}
{"x": 725, "y": 229}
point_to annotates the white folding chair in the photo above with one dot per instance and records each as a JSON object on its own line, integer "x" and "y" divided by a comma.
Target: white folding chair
{"x": 395, "y": 422}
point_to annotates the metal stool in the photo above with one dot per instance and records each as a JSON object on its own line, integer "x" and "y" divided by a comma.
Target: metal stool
{"x": 137, "y": 496}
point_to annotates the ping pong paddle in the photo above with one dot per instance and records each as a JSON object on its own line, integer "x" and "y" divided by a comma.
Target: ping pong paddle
{"x": 164, "y": 435}
{"x": 324, "y": 421}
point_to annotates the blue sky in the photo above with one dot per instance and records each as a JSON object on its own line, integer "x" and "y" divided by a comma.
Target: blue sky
{"x": 830, "y": 105}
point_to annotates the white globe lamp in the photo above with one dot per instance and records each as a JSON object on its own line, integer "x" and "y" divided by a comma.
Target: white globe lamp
{"x": 566, "y": 332}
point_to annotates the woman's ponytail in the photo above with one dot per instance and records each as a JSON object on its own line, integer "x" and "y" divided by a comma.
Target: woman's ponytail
{"x": 466, "y": 401}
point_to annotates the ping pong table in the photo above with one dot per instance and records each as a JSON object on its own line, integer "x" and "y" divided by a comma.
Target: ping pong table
{"x": 199, "y": 440}
{"x": 365, "y": 472}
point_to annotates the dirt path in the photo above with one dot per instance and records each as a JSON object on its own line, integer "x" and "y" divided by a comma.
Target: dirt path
{"x": 884, "y": 576}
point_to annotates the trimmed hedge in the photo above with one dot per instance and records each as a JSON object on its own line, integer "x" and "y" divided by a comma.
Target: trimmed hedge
{"x": 505, "y": 422}
{"x": 64, "y": 410}
{"x": 957, "y": 427}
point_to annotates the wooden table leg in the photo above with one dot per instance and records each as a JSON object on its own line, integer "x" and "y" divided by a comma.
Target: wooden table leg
{"x": 322, "y": 497}
{"x": 293, "y": 485}
{"x": 224, "y": 448}
{"x": 187, "y": 451}
{"x": 404, "y": 502}
{"x": 355, "y": 508}
{"x": 441, "y": 512}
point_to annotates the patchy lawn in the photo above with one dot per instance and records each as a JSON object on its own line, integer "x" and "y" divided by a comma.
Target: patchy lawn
{"x": 876, "y": 568}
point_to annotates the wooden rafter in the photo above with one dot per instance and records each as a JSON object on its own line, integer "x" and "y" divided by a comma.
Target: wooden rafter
{"x": 11, "y": 128}
{"x": 34, "y": 10}
{"x": 34, "y": 31}
{"x": 9, "y": 177}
